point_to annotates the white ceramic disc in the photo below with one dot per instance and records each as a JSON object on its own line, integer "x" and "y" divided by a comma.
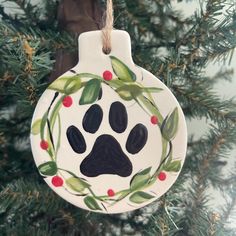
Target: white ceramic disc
{"x": 108, "y": 136}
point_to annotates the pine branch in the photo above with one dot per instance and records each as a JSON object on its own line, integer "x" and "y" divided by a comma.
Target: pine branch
{"x": 217, "y": 142}
{"x": 209, "y": 37}
{"x": 27, "y": 50}
{"x": 228, "y": 211}
{"x": 223, "y": 74}
{"x": 205, "y": 103}
{"x": 25, "y": 202}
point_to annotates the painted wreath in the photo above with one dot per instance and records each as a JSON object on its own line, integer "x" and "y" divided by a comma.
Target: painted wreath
{"x": 128, "y": 89}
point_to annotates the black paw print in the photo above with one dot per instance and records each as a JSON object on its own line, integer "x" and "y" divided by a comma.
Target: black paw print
{"x": 107, "y": 156}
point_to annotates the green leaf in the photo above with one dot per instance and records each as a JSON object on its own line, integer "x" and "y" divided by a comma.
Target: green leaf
{"x": 170, "y": 125}
{"x": 122, "y": 71}
{"x": 48, "y": 168}
{"x": 72, "y": 85}
{"x": 152, "y": 108}
{"x": 140, "y": 179}
{"x": 77, "y": 184}
{"x": 115, "y": 83}
{"x": 123, "y": 194}
{"x": 152, "y": 90}
{"x": 174, "y": 166}
{"x": 35, "y": 129}
{"x": 42, "y": 125}
{"x": 91, "y": 203}
{"x": 67, "y": 85}
{"x": 90, "y": 92}
{"x": 124, "y": 94}
{"x": 164, "y": 148}
{"x": 129, "y": 92}
{"x": 140, "y": 197}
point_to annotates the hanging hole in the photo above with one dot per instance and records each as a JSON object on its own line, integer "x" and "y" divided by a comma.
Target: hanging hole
{"x": 106, "y": 51}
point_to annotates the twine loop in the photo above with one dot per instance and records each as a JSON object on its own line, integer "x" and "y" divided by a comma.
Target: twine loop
{"x": 107, "y": 29}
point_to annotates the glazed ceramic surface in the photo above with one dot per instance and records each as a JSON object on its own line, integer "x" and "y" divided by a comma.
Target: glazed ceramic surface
{"x": 108, "y": 136}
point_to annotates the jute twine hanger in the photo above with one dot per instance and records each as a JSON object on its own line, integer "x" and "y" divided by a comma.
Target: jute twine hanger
{"x": 107, "y": 29}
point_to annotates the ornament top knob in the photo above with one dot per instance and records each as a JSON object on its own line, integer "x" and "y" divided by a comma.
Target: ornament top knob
{"x": 90, "y": 46}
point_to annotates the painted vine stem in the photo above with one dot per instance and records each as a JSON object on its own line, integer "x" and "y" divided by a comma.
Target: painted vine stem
{"x": 128, "y": 89}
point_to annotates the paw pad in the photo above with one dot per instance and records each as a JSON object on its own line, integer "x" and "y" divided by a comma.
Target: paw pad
{"x": 92, "y": 119}
{"x": 76, "y": 139}
{"x": 106, "y": 157}
{"x": 118, "y": 117}
{"x": 137, "y": 139}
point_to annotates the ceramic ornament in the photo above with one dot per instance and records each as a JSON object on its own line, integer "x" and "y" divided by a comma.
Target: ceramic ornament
{"x": 108, "y": 136}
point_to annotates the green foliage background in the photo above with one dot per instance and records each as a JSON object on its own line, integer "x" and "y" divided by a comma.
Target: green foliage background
{"x": 28, "y": 206}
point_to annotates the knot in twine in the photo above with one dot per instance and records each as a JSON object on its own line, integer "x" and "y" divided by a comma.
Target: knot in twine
{"x": 107, "y": 29}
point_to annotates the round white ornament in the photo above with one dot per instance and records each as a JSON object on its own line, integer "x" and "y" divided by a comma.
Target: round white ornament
{"x": 108, "y": 136}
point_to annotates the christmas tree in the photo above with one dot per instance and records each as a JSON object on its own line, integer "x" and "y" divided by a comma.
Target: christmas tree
{"x": 38, "y": 42}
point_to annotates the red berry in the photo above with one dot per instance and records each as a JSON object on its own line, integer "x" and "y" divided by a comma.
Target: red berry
{"x": 44, "y": 145}
{"x": 107, "y": 75}
{"x": 67, "y": 101}
{"x": 162, "y": 176}
{"x": 154, "y": 120}
{"x": 110, "y": 193}
{"x": 57, "y": 181}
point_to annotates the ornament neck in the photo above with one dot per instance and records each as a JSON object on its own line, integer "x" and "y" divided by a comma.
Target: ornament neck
{"x": 91, "y": 46}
